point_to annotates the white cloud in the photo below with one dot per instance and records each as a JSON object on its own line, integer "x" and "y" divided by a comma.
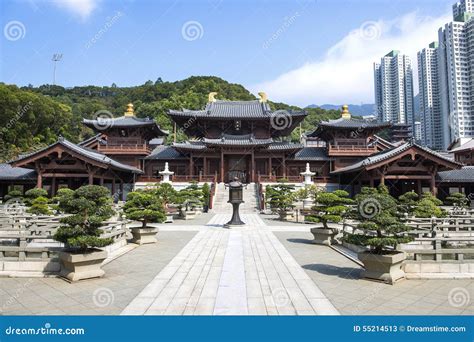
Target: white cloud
{"x": 345, "y": 73}
{"x": 81, "y": 8}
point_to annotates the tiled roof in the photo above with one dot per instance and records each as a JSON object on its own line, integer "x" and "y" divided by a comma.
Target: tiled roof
{"x": 354, "y": 124}
{"x": 466, "y": 146}
{"x": 190, "y": 145}
{"x": 105, "y": 123}
{"x": 312, "y": 154}
{"x": 89, "y": 153}
{"x": 463, "y": 175}
{"x": 165, "y": 153}
{"x": 156, "y": 141}
{"x": 233, "y": 109}
{"x": 284, "y": 145}
{"x": 383, "y": 155}
{"x": 7, "y": 172}
{"x": 238, "y": 140}
{"x": 97, "y": 137}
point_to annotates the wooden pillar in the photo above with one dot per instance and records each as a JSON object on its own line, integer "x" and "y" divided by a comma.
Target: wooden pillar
{"x": 101, "y": 180}
{"x": 433, "y": 188}
{"x": 91, "y": 178}
{"x": 53, "y": 186}
{"x": 222, "y": 166}
{"x": 205, "y": 165}
{"x": 113, "y": 186}
{"x": 39, "y": 180}
{"x": 270, "y": 167}
{"x": 122, "y": 195}
{"x": 284, "y": 166}
{"x": 191, "y": 165}
{"x": 252, "y": 173}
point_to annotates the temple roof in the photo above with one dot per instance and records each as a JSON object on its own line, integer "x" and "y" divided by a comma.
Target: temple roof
{"x": 83, "y": 151}
{"x": 462, "y": 175}
{"x": 387, "y": 154}
{"x": 469, "y": 145}
{"x": 104, "y": 124}
{"x": 350, "y": 124}
{"x": 237, "y": 140}
{"x": 312, "y": 154}
{"x": 165, "y": 153}
{"x": 7, "y": 172}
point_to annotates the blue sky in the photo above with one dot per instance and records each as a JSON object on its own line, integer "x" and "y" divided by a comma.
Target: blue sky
{"x": 299, "y": 51}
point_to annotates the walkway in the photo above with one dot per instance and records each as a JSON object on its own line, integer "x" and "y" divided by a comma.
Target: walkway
{"x": 232, "y": 272}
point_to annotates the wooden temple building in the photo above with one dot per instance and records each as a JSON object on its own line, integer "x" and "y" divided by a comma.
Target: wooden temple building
{"x": 244, "y": 139}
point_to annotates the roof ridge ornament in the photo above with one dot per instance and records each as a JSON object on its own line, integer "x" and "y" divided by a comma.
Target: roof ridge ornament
{"x": 263, "y": 97}
{"x": 212, "y": 96}
{"x": 345, "y": 112}
{"x": 129, "y": 112}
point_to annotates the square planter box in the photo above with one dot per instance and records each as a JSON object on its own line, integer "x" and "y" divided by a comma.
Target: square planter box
{"x": 79, "y": 266}
{"x": 323, "y": 236}
{"x": 143, "y": 236}
{"x": 384, "y": 267}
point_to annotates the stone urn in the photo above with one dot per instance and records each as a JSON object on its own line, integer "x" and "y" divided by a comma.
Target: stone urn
{"x": 82, "y": 265}
{"x": 383, "y": 267}
{"x": 325, "y": 236}
{"x": 142, "y": 236}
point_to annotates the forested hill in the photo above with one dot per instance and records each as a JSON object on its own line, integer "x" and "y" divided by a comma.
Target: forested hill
{"x": 32, "y": 117}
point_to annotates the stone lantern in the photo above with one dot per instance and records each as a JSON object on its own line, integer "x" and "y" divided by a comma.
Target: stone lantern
{"x": 307, "y": 202}
{"x": 235, "y": 198}
{"x": 166, "y": 173}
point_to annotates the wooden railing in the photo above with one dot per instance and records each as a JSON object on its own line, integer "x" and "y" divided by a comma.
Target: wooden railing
{"x": 351, "y": 149}
{"x": 124, "y": 148}
{"x": 274, "y": 179}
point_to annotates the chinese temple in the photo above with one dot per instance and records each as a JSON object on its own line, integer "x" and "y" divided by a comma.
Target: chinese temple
{"x": 243, "y": 139}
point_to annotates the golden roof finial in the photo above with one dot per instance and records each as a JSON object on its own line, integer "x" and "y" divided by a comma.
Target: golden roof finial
{"x": 129, "y": 111}
{"x": 263, "y": 97}
{"x": 345, "y": 112}
{"x": 211, "y": 96}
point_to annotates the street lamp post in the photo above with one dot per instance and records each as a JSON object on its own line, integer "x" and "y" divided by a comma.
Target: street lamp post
{"x": 56, "y": 58}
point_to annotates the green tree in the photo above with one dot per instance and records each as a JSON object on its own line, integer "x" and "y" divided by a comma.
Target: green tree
{"x": 408, "y": 202}
{"x": 330, "y": 207}
{"x": 428, "y": 206}
{"x": 39, "y": 206}
{"x": 34, "y": 193}
{"x": 380, "y": 224}
{"x": 144, "y": 206}
{"x": 280, "y": 197}
{"x": 90, "y": 206}
{"x": 458, "y": 200}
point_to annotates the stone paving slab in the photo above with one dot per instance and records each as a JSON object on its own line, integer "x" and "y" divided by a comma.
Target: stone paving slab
{"x": 125, "y": 277}
{"x": 340, "y": 280}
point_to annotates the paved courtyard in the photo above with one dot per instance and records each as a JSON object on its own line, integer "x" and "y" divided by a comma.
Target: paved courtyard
{"x": 262, "y": 268}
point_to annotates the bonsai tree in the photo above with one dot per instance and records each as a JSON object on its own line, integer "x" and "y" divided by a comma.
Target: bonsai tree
{"x": 63, "y": 200}
{"x": 458, "y": 200}
{"x": 144, "y": 206}
{"x": 39, "y": 206}
{"x": 380, "y": 225}
{"x": 428, "y": 206}
{"x": 330, "y": 207}
{"x": 13, "y": 194}
{"x": 190, "y": 196}
{"x": 90, "y": 206}
{"x": 280, "y": 197}
{"x": 166, "y": 193}
{"x": 305, "y": 192}
{"x": 206, "y": 193}
{"x": 408, "y": 202}
{"x": 34, "y": 193}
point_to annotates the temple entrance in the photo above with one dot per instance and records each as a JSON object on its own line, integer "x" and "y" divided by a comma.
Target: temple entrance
{"x": 237, "y": 166}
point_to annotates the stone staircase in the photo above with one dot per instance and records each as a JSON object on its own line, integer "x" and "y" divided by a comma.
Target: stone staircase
{"x": 222, "y": 196}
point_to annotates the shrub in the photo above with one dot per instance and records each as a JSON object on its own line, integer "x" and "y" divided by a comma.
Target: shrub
{"x": 13, "y": 194}
{"x": 35, "y": 193}
{"x": 280, "y": 197}
{"x": 330, "y": 207}
{"x": 39, "y": 206}
{"x": 379, "y": 224}
{"x": 144, "y": 206}
{"x": 458, "y": 200}
{"x": 166, "y": 193}
{"x": 408, "y": 202}
{"x": 206, "y": 192}
{"x": 428, "y": 206}
{"x": 90, "y": 206}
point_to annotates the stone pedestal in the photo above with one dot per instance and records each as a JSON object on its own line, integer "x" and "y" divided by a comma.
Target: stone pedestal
{"x": 143, "y": 236}
{"x": 79, "y": 266}
{"x": 385, "y": 267}
{"x": 323, "y": 236}
{"x": 166, "y": 173}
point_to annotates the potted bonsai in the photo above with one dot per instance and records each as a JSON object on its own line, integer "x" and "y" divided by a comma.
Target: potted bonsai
{"x": 380, "y": 230}
{"x": 329, "y": 211}
{"x": 90, "y": 206}
{"x": 281, "y": 198}
{"x": 206, "y": 193}
{"x": 146, "y": 207}
{"x": 167, "y": 194}
{"x": 190, "y": 200}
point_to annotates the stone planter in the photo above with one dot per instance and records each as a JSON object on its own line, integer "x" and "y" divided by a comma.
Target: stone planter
{"x": 142, "y": 236}
{"x": 307, "y": 203}
{"x": 323, "y": 236}
{"x": 189, "y": 214}
{"x": 384, "y": 267}
{"x": 79, "y": 266}
{"x": 287, "y": 215}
